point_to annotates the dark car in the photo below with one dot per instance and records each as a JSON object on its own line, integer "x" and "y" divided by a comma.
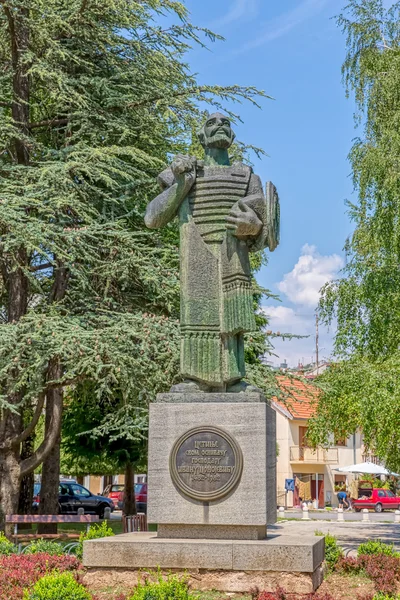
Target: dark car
{"x": 72, "y": 497}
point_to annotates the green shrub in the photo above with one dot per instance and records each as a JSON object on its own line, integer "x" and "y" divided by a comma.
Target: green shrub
{"x": 56, "y": 587}
{"x": 41, "y": 545}
{"x": 376, "y": 547}
{"x": 170, "y": 588}
{"x": 98, "y": 530}
{"x": 333, "y": 552}
{"x": 386, "y": 597}
{"x": 6, "y": 547}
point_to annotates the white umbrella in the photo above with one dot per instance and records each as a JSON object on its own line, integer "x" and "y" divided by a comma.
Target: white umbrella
{"x": 367, "y": 468}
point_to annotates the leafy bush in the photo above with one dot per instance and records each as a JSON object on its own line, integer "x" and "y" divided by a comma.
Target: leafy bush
{"x": 56, "y": 586}
{"x": 20, "y": 571}
{"x": 6, "y": 547}
{"x": 278, "y": 595}
{"x": 98, "y": 530}
{"x": 170, "y": 588}
{"x": 376, "y": 547}
{"x": 41, "y": 545}
{"x": 333, "y": 552}
{"x": 383, "y": 570}
{"x": 348, "y": 565}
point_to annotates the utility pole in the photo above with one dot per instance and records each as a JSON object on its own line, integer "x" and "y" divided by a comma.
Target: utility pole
{"x": 316, "y": 342}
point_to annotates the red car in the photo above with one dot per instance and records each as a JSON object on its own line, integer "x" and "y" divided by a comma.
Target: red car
{"x": 377, "y": 499}
{"x": 116, "y": 493}
{"x": 141, "y": 497}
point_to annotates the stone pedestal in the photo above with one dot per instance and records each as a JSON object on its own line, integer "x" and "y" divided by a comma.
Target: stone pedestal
{"x": 224, "y": 565}
{"x": 241, "y": 512}
{"x": 212, "y": 493}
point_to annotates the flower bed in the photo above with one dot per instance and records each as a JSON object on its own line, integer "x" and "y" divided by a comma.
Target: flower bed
{"x": 21, "y": 571}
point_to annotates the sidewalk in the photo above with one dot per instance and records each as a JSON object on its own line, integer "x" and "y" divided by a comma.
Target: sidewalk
{"x": 350, "y": 534}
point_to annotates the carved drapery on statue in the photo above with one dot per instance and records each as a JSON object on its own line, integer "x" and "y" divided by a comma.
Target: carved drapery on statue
{"x": 216, "y": 292}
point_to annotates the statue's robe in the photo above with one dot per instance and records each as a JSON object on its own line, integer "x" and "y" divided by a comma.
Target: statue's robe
{"x": 217, "y": 305}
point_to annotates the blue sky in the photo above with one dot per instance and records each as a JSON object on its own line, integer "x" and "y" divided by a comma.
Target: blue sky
{"x": 293, "y": 50}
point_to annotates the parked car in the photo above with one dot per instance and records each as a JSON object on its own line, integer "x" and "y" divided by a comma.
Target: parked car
{"x": 377, "y": 499}
{"x": 36, "y": 492}
{"x": 115, "y": 491}
{"x": 141, "y": 497}
{"x": 72, "y": 496}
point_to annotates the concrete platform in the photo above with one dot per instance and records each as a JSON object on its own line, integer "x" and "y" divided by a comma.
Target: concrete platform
{"x": 239, "y": 562}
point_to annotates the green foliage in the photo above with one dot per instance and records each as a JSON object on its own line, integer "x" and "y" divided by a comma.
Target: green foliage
{"x": 333, "y": 552}
{"x": 96, "y": 531}
{"x": 93, "y": 104}
{"x": 363, "y": 391}
{"x": 6, "y": 547}
{"x": 56, "y": 586}
{"x": 376, "y": 547}
{"x": 172, "y": 587}
{"x": 42, "y": 545}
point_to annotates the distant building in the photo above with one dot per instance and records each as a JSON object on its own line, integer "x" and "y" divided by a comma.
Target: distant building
{"x": 312, "y": 470}
{"x": 315, "y": 371}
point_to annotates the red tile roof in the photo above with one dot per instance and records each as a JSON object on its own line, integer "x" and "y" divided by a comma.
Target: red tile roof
{"x": 299, "y": 399}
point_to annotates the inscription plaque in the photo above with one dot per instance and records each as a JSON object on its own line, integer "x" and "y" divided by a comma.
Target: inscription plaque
{"x": 206, "y": 463}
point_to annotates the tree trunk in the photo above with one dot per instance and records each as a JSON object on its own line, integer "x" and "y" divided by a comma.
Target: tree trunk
{"x": 50, "y": 472}
{"x": 15, "y": 280}
{"x": 129, "y": 492}
{"x": 9, "y": 486}
{"x": 26, "y": 488}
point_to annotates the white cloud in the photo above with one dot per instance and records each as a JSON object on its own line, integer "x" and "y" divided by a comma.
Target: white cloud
{"x": 241, "y": 9}
{"x": 286, "y": 319}
{"x": 302, "y": 285}
{"x": 280, "y": 26}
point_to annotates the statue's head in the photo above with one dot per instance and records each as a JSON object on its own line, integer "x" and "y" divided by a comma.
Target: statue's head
{"x": 216, "y": 132}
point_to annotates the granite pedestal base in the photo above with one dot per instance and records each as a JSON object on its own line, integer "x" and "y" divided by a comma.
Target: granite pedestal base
{"x": 243, "y": 512}
{"x": 225, "y": 565}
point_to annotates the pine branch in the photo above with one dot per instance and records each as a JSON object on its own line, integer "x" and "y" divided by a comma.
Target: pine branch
{"x": 185, "y": 92}
{"x": 30, "y": 428}
{"x": 49, "y": 123}
{"x": 30, "y": 464}
{"x": 12, "y": 30}
{"x": 83, "y": 7}
{"x": 41, "y": 267}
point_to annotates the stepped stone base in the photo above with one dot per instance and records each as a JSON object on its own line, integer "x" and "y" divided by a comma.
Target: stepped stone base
{"x": 225, "y": 565}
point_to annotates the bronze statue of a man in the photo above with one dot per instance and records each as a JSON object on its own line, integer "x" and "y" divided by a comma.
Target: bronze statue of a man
{"x": 223, "y": 215}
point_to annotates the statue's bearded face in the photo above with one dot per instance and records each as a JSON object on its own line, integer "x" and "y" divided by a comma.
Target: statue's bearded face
{"x": 216, "y": 132}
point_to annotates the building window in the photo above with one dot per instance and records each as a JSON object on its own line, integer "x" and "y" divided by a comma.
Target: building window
{"x": 340, "y": 441}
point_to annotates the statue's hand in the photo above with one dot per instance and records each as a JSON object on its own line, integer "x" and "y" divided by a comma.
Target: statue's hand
{"x": 243, "y": 221}
{"x": 184, "y": 168}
